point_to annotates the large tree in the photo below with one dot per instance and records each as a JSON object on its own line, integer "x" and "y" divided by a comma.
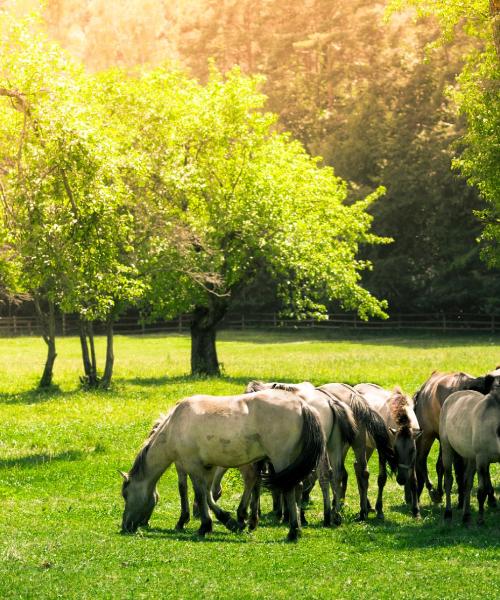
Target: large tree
{"x": 222, "y": 196}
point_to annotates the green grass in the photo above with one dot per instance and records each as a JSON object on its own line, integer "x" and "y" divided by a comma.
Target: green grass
{"x": 60, "y": 492}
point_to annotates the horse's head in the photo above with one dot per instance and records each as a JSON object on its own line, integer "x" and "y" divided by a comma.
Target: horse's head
{"x": 405, "y": 450}
{"x": 140, "y": 501}
{"x": 485, "y": 383}
{"x": 404, "y": 436}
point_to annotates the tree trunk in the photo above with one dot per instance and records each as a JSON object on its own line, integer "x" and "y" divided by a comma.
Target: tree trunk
{"x": 48, "y": 324}
{"x": 110, "y": 357}
{"x": 89, "y": 360}
{"x": 204, "y": 323}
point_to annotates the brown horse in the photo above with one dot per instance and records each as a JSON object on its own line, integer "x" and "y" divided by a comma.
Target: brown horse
{"x": 368, "y": 422}
{"x": 397, "y": 411}
{"x": 428, "y": 401}
{"x": 203, "y": 432}
{"x": 469, "y": 426}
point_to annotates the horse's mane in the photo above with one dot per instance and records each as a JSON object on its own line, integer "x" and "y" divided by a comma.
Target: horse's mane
{"x": 254, "y": 386}
{"x": 399, "y": 409}
{"x": 288, "y": 387}
{"x": 140, "y": 459}
{"x": 257, "y": 386}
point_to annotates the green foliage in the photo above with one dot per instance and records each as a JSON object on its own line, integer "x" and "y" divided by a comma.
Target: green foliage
{"x": 221, "y": 195}
{"x": 478, "y": 98}
{"x": 62, "y": 188}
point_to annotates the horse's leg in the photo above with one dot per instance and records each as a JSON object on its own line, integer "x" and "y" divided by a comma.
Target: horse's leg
{"x": 308, "y": 482}
{"x": 470, "y": 470}
{"x": 415, "y": 508}
{"x": 361, "y": 471}
{"x": 483, "y": 482}
{"x": 294, "y": 522}
{"x": 216, "y": 483}
{"x": 424, "y": 443}
{"x": 255, "y": 503}
{"x": 490, "y": 492}
{"x": 382, "y": 478}
{"x": 277, "y": 504}
{"x": 438, "y": 492}
{"x": 298, "y": 499}
{"x": 223, "y": 516}
{"x": 249, "y": 474}
{"x": 459, "y": 466}
{"x": 324, "y": 484}
{"x": 448, "y": 477}
{"x": 344, "y": 475}
{"x": 183, "y": 495}
{"x": 201, "y": 495}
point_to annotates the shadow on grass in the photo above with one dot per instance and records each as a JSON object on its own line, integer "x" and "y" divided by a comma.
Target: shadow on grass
{"x": 41, "y": 458}
{"x": 188, "y": 379}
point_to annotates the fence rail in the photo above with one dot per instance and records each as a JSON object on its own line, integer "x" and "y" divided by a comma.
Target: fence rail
{"x": 130, "y": 325}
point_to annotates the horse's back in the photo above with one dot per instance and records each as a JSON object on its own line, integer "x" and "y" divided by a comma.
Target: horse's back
{"x": 459, "y": 419}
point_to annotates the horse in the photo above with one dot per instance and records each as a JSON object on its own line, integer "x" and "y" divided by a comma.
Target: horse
{"x": 203, "y": 432}
{"x": 469, "y": 425}
{"x": 339, "y": 429}
{"x": 368, "y": 421}
{"x": 397, "y": 411}
{"x": 428, "y": 401}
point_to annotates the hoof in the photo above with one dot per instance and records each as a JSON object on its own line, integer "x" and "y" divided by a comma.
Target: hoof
{"x": 492, "y": 503}
{"x": 234, "y": 525}
{"x": 204, "y": 529}
{"x": 179, "y": 526}
{"x": 252, "y": 525}
{"x": 327, "y": 520}
{"x": 380, "y": 516}
{"x": 361, "y": 517}
{"x": 303, "y": 520}
{"x": 337, "y": 519}
{"x": 436, "y": 497}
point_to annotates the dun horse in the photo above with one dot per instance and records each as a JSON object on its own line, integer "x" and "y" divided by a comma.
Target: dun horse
{"x": 339, "y": 429}
{"x": 397, "y": 411}
{"x": 469, "y": 426}
{"x": 368, "y": 421}
{"x": 203, "y": 432}
{"x": 428, "y": 402}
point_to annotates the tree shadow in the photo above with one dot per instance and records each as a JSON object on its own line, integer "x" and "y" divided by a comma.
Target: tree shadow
{"x": 31, "y": 460}
{"x": 36, "y": 396}
{"x": 175, "y": 380}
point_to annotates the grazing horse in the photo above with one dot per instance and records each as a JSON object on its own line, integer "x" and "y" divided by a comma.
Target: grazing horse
{"x": 368, "y": 421}
{"x": 469, "y": 425}
{"x": 339, "y": 429}
{"x": 397, "y": 411}
{"x": 203, "y": 432}
{"x": 428, "y": 401}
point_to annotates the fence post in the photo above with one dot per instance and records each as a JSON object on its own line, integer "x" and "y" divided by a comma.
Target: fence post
{"x": 444, "y": 322}
{"x": 14, "y": 322}
{"x": 274, "y": 320}
{"x": 180, "y": 324}
{"x": 64, "y": 324}
{"x": 242, "y": 321}
{"x": 492, "y": 323}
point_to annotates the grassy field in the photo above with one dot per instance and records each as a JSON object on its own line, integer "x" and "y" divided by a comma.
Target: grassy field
{"x": 60, "y": 492}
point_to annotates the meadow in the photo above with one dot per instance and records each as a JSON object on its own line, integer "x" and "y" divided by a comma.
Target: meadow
{"x": 60, "y": 490}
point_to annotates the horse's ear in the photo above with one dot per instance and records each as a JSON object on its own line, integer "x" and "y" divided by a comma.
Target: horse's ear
{"x": 416, "y": 433}
{"x": 393, "y": 431}
{"x": 124, "y": 475}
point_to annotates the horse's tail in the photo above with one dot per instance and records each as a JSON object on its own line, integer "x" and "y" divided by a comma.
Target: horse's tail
{"x": 343, "y": 415}
{"x": 376, "y": 427}
{"x": 313, "y": 448}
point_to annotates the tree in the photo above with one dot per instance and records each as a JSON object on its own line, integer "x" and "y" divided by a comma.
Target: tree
{"x": 227, "y": 196}
{"x": 66, "y": 210}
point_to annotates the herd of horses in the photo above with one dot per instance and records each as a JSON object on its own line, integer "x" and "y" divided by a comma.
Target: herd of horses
{"x": 286, "y": 436}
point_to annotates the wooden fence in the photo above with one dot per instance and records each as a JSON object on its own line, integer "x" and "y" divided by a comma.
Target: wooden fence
{"x": 130, "y": 325}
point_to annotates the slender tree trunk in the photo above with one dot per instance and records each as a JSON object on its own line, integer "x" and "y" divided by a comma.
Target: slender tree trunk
{"x": 204, "y": 323}
{"x": 495, "y": 16}
{"x": 87, "y": 369}
{"x": 48, "y": 324}
{"x": 110, "y": 357}
{"x": 88, "y": 356}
